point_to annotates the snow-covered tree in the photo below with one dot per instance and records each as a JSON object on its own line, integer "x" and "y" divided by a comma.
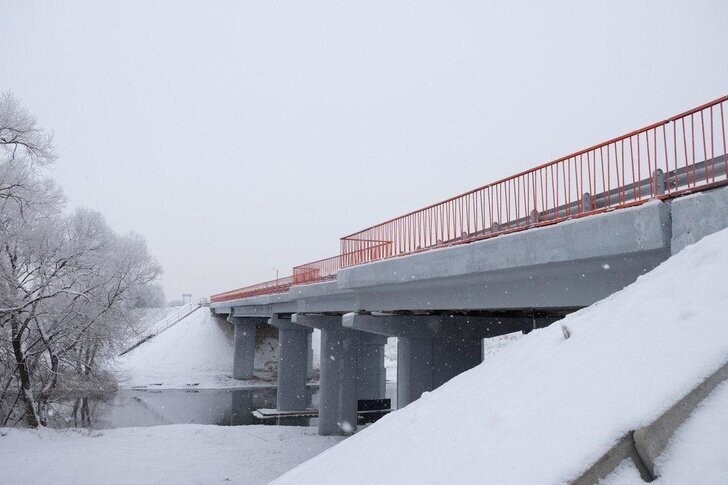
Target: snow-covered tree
{"x": 67, "y": 282}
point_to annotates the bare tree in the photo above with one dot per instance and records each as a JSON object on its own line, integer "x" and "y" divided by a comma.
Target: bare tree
{"x": 66, "y": 281}
{"x": 20, "y": 135}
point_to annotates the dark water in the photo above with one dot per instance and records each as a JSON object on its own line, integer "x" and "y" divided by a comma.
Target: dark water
{"x": 224, "y": 407}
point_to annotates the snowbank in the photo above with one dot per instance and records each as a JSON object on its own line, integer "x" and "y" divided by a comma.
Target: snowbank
{"x": 195, "y": 352}
{"x": 546, "y": 407}
{"x": 158, "y": 454}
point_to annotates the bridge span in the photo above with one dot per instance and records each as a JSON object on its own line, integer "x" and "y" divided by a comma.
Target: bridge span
{"x": 514, "y": 255}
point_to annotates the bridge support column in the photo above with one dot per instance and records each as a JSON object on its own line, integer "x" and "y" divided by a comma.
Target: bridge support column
{"x": 244, "y": 346}
{"x": 309, "y": 361}
{"x": 352, "y": 368}
{"x": 415, "y": 360}
{"x": 338, "y": 389}
{"x": 371, "y": 375}
{"x": 292, "y": 364}
{"x": 426, "y": 361}
{"x": 433, "y": 349}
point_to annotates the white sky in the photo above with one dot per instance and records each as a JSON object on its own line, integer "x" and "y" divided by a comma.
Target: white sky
{"x": 238, "y": 137}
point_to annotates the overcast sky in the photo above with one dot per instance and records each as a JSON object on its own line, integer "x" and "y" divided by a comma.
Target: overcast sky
{"x": 238, "y": 137}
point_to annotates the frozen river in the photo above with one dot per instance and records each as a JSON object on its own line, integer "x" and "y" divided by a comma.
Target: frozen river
{"x": 148, "y": 407}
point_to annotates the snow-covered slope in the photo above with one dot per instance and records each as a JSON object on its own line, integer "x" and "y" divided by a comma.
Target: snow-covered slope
{"x": 547, "y": 407}
{"x": 152, "y": 321}
{"x": 696, "y": 454}
{"x": 197, "y": 351}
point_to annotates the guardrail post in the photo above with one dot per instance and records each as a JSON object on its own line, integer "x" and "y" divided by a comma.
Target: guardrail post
{"x": 534, "y": 217}
{"x": 586, "y": 202}
{"x": 660, "y": 182}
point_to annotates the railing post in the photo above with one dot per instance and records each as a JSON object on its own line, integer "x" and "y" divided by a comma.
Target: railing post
{"x": 534, "y": 217}
{"x": 660, "y": 182}
{"x": 586, "y": 202}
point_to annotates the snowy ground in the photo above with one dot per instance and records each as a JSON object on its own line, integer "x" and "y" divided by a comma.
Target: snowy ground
{"x": 547, "y": 407}
{"x": 196, "y": 352}
{"x": 160, "y": 454}
{"x": 540, "y": 409}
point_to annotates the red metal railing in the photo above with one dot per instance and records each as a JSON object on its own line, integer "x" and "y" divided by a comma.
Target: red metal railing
{"x": 666, "y": 159}
{"x": 280, "y": 285}
{"x": 684, "y": 153}
{"x": 321, "y": 270}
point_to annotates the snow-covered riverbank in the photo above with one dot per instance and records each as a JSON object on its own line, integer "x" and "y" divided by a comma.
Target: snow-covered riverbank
{"x": 157, "y": 454}
{"x": 195, "y": 353}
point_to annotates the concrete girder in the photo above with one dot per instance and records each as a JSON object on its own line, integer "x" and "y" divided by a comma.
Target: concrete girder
{"x": 263, "y": 311}
{"x": 462, "y": 326}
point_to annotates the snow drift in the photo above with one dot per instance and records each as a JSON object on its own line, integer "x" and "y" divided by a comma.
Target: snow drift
{"x": 547, "y": 407}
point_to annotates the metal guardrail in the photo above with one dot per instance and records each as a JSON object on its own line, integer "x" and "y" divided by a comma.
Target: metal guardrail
{"x": 279, "y": 285}
{"x": 665, "y": 159}
{"x": 316, "y": 271}
{"x": 685, "y": 153}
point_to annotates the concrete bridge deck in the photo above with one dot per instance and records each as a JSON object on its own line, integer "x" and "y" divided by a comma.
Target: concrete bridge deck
{"x": 513, "y": 255}
{"x": 442, "y": 303}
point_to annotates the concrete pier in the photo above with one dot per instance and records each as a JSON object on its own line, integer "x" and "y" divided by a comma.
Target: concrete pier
{"x": 309, "y": 362}
{"x": 352, "y": 368}
{"x": 371, "y": 376}
{"x": 432, "y": 349}
{"x": 293, "y": 344}
{"x": 244, "y": 344}
{"x": 427, "y": 360}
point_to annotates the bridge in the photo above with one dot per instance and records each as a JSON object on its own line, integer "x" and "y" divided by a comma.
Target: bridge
{"x": 514, "y": 255}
